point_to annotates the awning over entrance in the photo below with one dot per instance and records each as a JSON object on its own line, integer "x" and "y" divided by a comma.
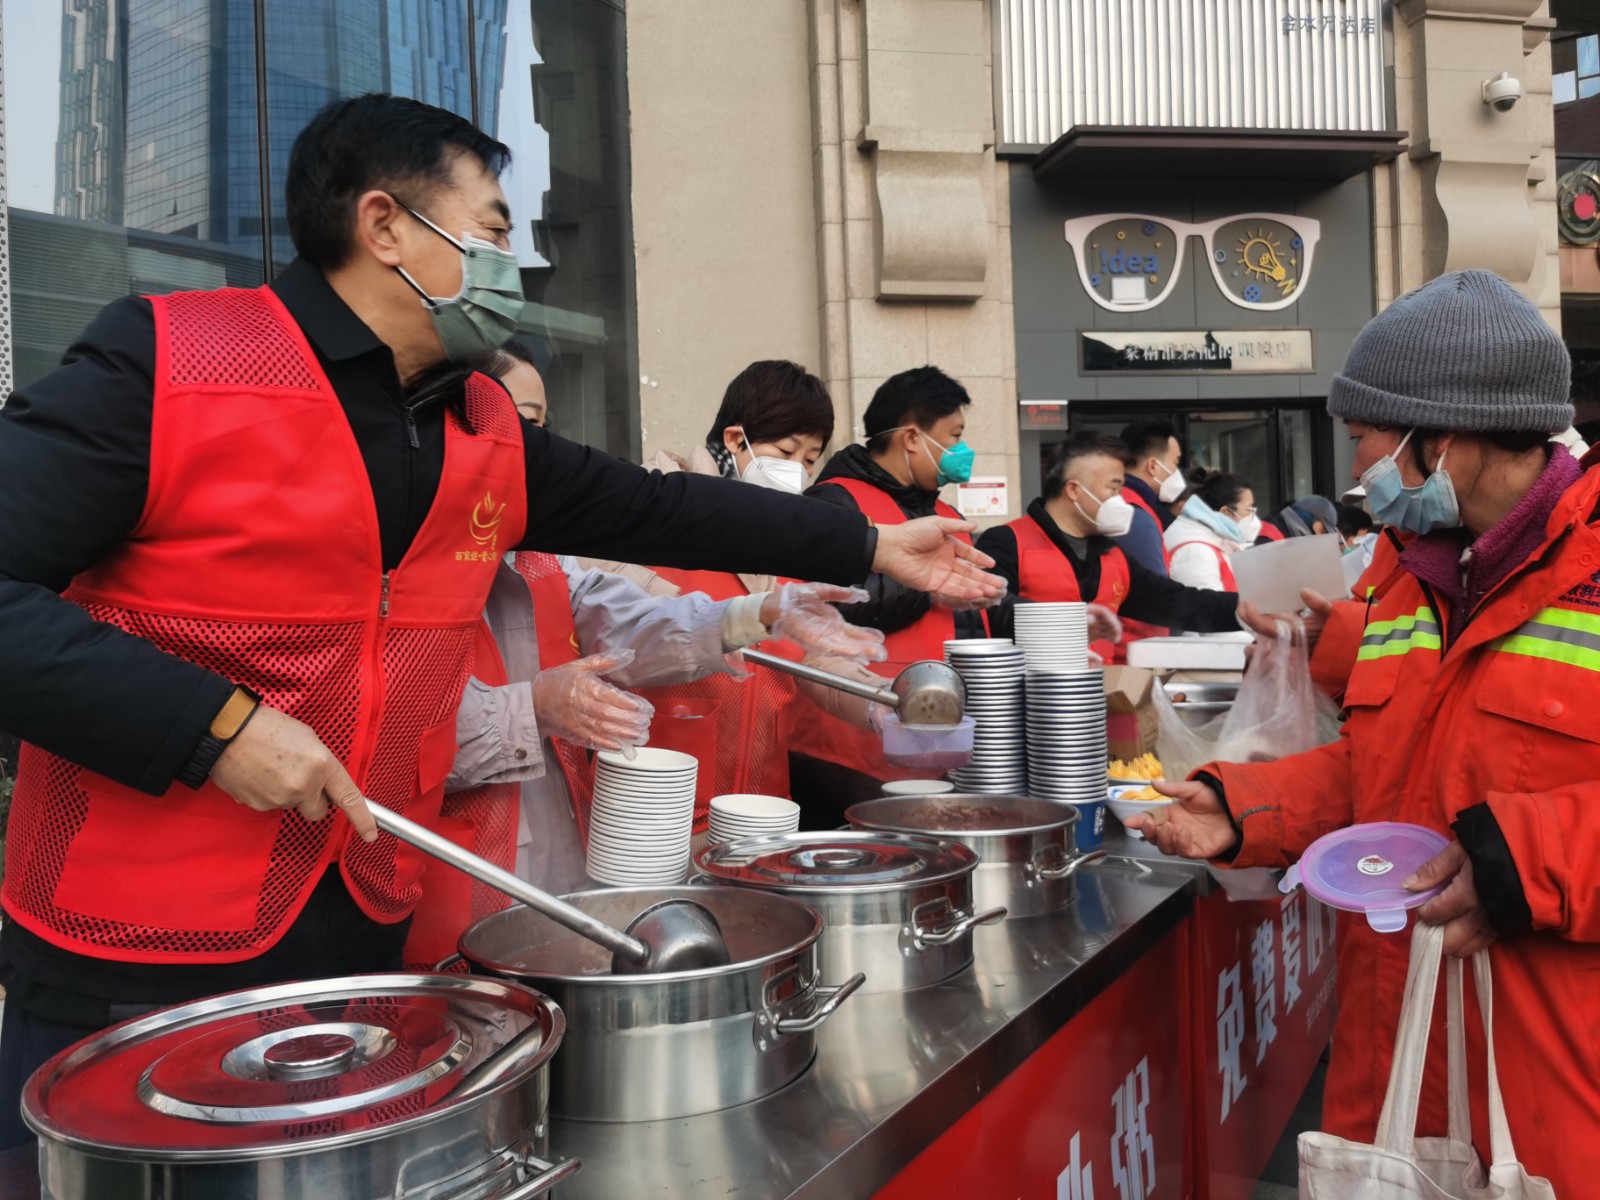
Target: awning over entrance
{"x": 1113, "y": 150}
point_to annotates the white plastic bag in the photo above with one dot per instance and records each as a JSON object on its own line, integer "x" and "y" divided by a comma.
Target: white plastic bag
{"x": 1400, "y": 1165}
{"x": 1278, "y": 711}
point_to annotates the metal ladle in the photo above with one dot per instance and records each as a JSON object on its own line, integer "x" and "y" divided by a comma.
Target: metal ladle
{"x": 674, "y": 935}
{"x": 925, "y": 693}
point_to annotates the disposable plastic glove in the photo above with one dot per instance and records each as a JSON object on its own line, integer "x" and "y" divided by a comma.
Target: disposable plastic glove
{"x": 804, "y": 613}
{"x": 574, "y": 703}
{"x": 1104, "y": 625}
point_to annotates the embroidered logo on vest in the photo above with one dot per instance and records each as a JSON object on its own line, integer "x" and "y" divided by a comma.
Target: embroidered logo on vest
{"x": 484, "y": 527}
{"x": 1585, "y": 595}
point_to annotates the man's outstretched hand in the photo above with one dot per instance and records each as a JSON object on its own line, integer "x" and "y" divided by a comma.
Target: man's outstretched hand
{"x": 926, "y": 555}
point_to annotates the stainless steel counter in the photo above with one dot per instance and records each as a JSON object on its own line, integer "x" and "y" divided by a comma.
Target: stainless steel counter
{"x": 893, "y": 1071}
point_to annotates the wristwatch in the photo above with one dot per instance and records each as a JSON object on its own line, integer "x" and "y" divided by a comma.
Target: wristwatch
{"x": 231, "y": 718}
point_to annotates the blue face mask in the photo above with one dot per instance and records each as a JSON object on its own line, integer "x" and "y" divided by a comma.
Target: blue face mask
{"x": 1199, "y": 511}
{"x": 1432, "y": 505}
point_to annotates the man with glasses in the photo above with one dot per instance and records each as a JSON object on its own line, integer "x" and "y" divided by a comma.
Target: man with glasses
{"x": 246, "y": 538}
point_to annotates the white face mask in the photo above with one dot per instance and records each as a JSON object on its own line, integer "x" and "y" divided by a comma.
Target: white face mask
{"x": 1172, "y": 484}
{"x": 1112, "y": 519}
{"x": 779, "y": 474}
{"x": 1250, "y": 527}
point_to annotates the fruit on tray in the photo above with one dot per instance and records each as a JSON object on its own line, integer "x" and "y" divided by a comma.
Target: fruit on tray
{"x": 1146, "y": 766}
{"x": 1144, "y": 794}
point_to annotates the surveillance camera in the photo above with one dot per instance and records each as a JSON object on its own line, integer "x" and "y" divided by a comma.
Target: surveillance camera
{"x": 1502, "y": 92}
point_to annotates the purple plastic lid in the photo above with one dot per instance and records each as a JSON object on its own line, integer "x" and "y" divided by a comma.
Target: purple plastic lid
{"x": 1361, "y": 869}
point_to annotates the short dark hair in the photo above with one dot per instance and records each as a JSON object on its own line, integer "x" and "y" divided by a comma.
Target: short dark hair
{"x": 773, "y": 399}
{"x": 920, "y": 397}
{"x": 1085, "y": 444}
{"x": 498, "y": 362}
{"x": 1145, "y": 439}
{"x": 1353, "y": 520}
{"x": 373, "y": 141}
{"x": 1218, "y": 489}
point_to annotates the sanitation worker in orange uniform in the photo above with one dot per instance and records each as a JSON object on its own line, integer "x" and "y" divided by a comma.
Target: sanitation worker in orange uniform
{"x": 1472, "y": 710}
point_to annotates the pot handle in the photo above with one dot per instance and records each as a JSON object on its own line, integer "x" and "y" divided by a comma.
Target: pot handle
{"x": 1067, "y": 867}
{"x": 546, "y": 1176}
{"x": 829, "y": 1000}
{"x": 943, "y": 935}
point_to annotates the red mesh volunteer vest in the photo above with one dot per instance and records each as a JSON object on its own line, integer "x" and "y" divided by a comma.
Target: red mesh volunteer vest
{"x": 257, "y": 556}
{"x": 753, "y": 717}
{"x": 484, "y": 819}
{"x": 1138, "y": 501}
{"x": 832, "y": 740}
{"x": 1044, "y": 574}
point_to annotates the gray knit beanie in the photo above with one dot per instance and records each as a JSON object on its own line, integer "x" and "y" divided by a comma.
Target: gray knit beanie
{"x": 1463, "y": 353}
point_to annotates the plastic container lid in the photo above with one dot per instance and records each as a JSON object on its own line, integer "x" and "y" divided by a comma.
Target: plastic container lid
{"x": 1361, "y": 869}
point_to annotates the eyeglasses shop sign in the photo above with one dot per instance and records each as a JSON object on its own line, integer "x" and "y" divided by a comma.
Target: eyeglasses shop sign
{"x": 1197, "y": 352}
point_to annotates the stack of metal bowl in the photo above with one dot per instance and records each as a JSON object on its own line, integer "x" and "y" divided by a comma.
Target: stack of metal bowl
{"x": 992, "y": 669}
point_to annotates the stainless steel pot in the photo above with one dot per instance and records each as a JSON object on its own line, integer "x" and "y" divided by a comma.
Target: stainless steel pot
{"x": 1027, "y": 848}
{"x": 364, "y": 1088}
{"x": 654, "y": 1047}
{"x": 898, "y": 908}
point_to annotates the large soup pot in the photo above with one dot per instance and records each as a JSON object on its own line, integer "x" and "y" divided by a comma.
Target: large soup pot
{"x": 364, "y": 1088}
{"x": 898, "y": 908}
{"x": 654, "y": 1047}
{"x": 1027, "y": 848}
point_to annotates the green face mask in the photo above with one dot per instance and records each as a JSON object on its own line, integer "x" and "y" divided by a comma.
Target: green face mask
{"x": 483, "y": 316}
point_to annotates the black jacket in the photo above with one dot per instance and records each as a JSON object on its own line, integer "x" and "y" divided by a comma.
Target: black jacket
{"x": 892, "y": 606}
{"x": 74, "y": 472}
{"x": 1153, "y": 599}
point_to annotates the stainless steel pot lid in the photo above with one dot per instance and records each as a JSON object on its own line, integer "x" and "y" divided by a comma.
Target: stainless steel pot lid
{"x": 950, "y": 812}
{"x": 291, "y": 1068}
{"x": 802, "y": 862}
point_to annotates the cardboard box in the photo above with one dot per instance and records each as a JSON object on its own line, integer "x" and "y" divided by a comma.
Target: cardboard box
{"x": 1131, "y": 721}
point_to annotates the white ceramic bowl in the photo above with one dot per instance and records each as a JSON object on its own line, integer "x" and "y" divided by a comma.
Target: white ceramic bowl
{"x": 1125, "y": 810}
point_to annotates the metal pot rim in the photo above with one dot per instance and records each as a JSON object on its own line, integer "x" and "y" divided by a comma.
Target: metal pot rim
{"x": 1069, "y": 818}
{"x": 799, "y": 889}
{"x": 504, "y": 970}
{"x": 553, "y": 1021}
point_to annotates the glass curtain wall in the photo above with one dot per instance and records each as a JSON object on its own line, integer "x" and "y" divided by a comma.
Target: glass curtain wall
{"x": 144, "y": 139}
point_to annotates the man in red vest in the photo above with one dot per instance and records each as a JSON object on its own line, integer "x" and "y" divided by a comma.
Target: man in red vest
{"x": 1062, "y": 550}
{"x": 246, "y": 537}
{"x": 1153, "y": 482}
{"x": 913, "y": 426}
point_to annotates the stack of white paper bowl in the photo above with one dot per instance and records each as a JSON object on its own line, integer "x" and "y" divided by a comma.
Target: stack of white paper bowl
{"x": 642, "y": 818}
{"x": 1054, "y": 636}
{"x": 1067, "y": 736}
{"x": 748, "y": 815}
{"x": 992, "y": 669}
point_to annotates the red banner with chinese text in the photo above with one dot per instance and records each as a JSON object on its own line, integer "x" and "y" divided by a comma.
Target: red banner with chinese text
{"x": 1097, "y": 1111}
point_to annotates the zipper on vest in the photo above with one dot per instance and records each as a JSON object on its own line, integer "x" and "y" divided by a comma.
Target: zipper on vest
{"x": 411, "y": 427}
{"x": 383, "y": 596}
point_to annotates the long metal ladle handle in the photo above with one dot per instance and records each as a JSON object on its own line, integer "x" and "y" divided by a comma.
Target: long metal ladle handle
{"x": 487, "y": 873}
{"x": 826, "y": 678}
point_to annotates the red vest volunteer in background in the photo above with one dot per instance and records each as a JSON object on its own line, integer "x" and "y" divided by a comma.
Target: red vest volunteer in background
{"x": 914, "y": 426}
{"x": 278, "y": 512}
{"x": 1061, "y": 550}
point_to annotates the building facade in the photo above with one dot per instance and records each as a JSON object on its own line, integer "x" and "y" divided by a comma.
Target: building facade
{"x": 1086, "y": 210}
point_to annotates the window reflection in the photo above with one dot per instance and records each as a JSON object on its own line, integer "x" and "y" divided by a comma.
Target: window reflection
{"x": 134, "y": 145}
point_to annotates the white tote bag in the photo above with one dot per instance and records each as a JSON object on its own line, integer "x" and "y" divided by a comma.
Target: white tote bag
{"x": 1400, "y": 1165}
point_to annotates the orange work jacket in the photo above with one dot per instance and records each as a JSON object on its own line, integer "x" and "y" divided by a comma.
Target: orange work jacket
{"x": 1506, "y": 715}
